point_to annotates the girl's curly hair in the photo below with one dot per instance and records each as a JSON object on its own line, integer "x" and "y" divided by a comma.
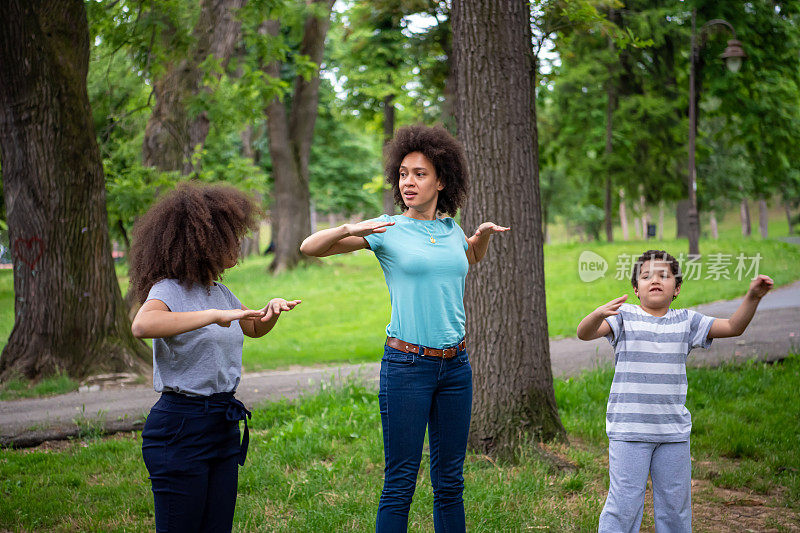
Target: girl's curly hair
{"x": 447, "y": 156}
{"x": 189, "y": 234}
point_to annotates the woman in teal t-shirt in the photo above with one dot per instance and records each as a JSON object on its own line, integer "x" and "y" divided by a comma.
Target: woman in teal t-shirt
{"x": 426, "y": 379}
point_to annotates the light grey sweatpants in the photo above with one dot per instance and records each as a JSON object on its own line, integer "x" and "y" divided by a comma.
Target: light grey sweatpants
{"x": 670, "y": 467}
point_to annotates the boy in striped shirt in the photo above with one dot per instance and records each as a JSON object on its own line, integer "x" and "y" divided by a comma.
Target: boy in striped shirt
{"x": 647, "y": 422}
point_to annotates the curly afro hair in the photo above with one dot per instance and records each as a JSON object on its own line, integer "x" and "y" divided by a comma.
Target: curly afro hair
{"x": 190, "y": 234}
{"x": 657, "y": 255}
{"x": 447, "y": 156}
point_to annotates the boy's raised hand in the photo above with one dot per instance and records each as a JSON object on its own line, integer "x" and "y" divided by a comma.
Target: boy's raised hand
{"x": 276, "y": 306}
{"x": 612, "y": 307}
{"x": 760, "y": 286}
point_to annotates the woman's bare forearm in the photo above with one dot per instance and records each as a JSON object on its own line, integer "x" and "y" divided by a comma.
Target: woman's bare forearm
{"x": 320, "y": 242}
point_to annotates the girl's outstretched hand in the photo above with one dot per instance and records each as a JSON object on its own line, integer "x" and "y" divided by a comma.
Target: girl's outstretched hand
{"x": 276, "y": 306}
{"x": 226, "y": 316}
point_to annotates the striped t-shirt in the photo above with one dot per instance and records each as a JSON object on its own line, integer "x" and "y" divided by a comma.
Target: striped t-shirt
{"x": 648, "y": 394}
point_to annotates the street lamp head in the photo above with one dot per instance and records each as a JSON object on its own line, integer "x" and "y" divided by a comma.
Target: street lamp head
{"x": 733, "y": 55}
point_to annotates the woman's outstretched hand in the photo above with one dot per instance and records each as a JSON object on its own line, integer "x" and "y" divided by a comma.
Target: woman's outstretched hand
{"x": 362, "y": 229}
{"x": 490, "y": 228}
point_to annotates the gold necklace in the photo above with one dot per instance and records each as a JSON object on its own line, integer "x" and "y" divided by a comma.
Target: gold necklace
{"x": 433, "y": 241}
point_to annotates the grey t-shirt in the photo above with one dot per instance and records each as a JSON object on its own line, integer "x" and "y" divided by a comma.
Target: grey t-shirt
{"x": 200, "y": 362}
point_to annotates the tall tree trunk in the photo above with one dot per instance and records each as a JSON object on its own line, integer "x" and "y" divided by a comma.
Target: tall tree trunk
{"x": 250, "y": 243}
{"x": 610, "y": 103}
{"x": 171, "y": 135}
{"x": 68, "y": 310}
{"x": 660, "y": 235}
{"x": 713, "y": 223}
{"x": 290, "y": 136}
{"x": 493, "y": 62}
{"x": 744, "y": 215}
{"x": 788, "y": 209}
{"x": 623, "y": 215}
{"x": 763, "y": 218}
{"x": 388, "y": 133}
{"x": 643, "y": 213}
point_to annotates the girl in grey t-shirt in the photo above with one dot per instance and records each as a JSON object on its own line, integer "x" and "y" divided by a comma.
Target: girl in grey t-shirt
{"x": 190, "y": 442}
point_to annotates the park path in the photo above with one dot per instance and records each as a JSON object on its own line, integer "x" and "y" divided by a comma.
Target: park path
{"x": 774, "y": 331}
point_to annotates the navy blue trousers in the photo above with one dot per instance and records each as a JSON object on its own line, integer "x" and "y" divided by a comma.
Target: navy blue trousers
{"x": 418, "y": 392}
{"x": 191, "y": 450}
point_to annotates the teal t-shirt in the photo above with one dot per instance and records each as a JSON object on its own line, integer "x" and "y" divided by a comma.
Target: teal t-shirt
{"x": 425, "y": 279}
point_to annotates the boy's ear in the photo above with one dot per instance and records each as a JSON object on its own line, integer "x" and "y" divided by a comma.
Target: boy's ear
{"x": 676, "y": 292}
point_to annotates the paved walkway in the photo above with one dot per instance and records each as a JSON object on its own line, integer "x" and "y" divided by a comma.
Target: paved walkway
{"x": 774, "y": 331}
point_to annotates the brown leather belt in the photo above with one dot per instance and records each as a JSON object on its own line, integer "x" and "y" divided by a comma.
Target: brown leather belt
{"x": 407, "y": 347}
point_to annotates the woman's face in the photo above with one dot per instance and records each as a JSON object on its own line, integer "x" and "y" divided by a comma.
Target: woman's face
{"x": 418, "y": 183}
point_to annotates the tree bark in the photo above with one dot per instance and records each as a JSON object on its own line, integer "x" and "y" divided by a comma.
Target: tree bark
{"x": 250, "y": 243}
{"x": 763, "y": 218}
{"x": 660, "y": 235}
{"x": 506, "y": 322}
{"x": 290, "y": 136}
{"x": 682, "y": 219}
{"x": 68, "y": 310}
{"x": 744, "y": 215}
{"x": 388, "y": 133}
{"x": 623, "y": 215}
{"x": 172, "y": 136}
{"x": 788, "y": 210}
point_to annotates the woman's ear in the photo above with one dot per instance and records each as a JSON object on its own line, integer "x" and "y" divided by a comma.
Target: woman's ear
{"x": 439, "y": 184}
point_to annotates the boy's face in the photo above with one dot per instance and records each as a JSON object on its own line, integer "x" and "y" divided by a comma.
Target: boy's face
{"x": 656, "y": 284}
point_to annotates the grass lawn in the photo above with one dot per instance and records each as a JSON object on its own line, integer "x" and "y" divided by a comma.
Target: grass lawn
{"x": 316, "y": 465}
{"x": 345, "y": 305}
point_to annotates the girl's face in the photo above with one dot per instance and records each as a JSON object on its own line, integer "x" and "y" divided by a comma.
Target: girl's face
{"x": 656, "y": 286}
{"x": 231, "y": 260}
{"x": 418, "y": 182}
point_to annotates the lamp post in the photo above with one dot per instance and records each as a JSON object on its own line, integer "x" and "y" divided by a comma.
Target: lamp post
{"x": 733, "y": 56}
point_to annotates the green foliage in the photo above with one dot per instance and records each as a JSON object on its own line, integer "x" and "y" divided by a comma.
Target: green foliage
{"x": 747, "y": 121}
{"x": 374, "y": 55}
{"x": 343, "y": 161}
{"x": 763, "y": 98}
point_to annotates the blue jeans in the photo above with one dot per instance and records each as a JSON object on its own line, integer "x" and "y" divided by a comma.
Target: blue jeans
{"x": 191, "y": 450}
{"x": 415, "y": 392}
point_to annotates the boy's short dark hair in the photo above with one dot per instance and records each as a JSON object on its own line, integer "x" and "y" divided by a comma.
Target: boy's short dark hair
{"x": 658, "y": 255}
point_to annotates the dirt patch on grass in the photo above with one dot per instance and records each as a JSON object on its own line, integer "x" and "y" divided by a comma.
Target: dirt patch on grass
{"x": 725, "y": 510}
{"x": 716, "y": 509}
